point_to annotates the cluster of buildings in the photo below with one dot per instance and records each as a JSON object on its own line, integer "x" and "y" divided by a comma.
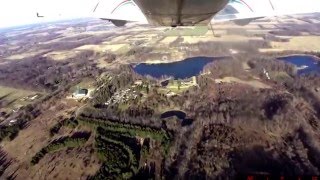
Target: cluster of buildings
{"x": 122, "y": 96}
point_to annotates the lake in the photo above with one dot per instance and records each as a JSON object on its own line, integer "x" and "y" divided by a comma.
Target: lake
{"x": 179, "y": 70}
{"x": 306, "y": 64}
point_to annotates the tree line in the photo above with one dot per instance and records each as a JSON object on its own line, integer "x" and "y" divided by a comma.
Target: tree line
{"x": 71, "y": 122}
{"x": 56, "y": 145}
{"x": 119, "y": 152}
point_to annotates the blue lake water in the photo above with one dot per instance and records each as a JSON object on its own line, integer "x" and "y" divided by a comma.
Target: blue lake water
{"x": 306, "y": 64}
{"x": 179, "y": 70}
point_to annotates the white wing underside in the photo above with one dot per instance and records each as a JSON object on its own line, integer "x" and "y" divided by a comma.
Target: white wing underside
{"x": 125, "y": 10}
{"x": 252, "y": 9}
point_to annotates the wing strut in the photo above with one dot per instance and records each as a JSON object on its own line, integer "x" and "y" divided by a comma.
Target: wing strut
{"x": 212, "y": 28}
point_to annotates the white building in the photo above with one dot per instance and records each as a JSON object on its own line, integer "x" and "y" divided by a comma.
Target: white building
{"x": 80, "y": 93}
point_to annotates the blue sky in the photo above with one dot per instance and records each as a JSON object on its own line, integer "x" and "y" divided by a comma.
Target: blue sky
{"x": 20, "y": 12}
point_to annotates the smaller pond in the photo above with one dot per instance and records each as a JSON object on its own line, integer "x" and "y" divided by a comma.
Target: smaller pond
{"x": 179, "y": 70}
{"x": 306, "y": 64}
{"x": 178, "y": 114}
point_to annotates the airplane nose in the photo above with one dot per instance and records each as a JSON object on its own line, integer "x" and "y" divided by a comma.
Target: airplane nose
{"x": 180, "y": 12}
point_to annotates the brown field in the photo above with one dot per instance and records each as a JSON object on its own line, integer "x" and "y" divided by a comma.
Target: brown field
{"x": 36, "y": 136}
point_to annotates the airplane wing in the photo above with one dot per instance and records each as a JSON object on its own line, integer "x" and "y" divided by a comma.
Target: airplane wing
{"x": 244, "y": 11}
{"x": 179, "y": 12}
{"x": 239, "y": 11}
{"x": 115, "y": 10}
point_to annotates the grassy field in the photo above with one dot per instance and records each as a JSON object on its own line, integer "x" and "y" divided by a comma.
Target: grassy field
{"x": 62, "y": 55}
{"x": 102, "y": 47}
{"x": 169, "y": 39}
{"x": 16, "y": 97}
{"x": 195, "y": 31}
{"x": 301, "y": 43}
{"x": 8, "y": 93}
{"x": 253, "y": 83}
{"x": 279, "y": 76}
{"x": 124, "y": 49}
{"x": 176, "y": 88}
{"x": 25, "y": 55}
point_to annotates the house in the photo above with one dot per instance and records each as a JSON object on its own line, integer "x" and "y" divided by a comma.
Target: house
{"x": 138, "y": 83}
{"x": 80, "y": 93}
{"x": 12, "y": 122}
{"x": 170, "y": 94}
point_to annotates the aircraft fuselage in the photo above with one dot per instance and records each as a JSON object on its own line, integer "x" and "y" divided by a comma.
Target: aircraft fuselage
{"x": 180, "y": 12}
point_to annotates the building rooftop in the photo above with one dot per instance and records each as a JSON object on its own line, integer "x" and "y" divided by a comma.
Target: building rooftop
{"x": 81, "y": 92}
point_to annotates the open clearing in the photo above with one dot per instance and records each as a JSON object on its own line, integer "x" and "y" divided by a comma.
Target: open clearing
{"x": 25, "y": 55}
{"x": 15, "y": 95}
{"x": 223, "y": 38}
{"x": 187, "y": 31}
{"x": 169, "y": 39}
{"x": 301, "y": 43}
{"x": 103, "y": 47}
{"x": 12, "y": 98}
{"x": 62, "y": 55}
{"x": 253, "y": 83}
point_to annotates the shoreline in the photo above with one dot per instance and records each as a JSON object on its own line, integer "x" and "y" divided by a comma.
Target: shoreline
{"x": 173, "y": 61}
{"x": 150, "y": 62}
{"x": 310, "y": 55}
{"x": 160, "y": 61}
